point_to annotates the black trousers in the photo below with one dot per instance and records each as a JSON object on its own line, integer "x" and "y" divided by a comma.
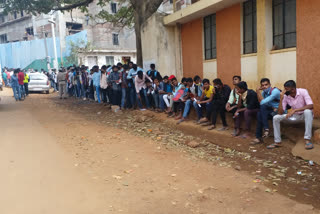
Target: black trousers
{"x": 26, "y": 88}
{"x": 104, "y": 95}
{"x": 218, "y": 109}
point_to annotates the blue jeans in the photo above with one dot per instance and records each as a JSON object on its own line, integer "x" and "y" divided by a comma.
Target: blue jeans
{"x": 53, "y": 85}
{"x": 187, "y": 108}
{"x": 123, "y": 97}
{"x": 16, "y": 92}
{"x": 207, "y": 106}
{"x": 161, "y": 101}
{"x": 98, "y": 93}
{"x": 143, "y": 95}
{"x": 22, "y": 91}
{"x": 262, "y": 119}
{"x": 132, "y": 96}
{"x": 156, "y": 98}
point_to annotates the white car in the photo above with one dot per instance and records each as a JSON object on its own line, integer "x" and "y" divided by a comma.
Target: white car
{"x": 39, "y": 82}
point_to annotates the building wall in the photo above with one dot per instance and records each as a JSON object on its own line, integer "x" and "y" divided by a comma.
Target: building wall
{"x": 158, "y": 45}
{"x": 249, "y": 70}
{"x": 308, "y": 48}
{"x": 228, "y": 43}
{"x": 283, "y": 67}
{"x": 210, "y": 69}
{"x": 192, "y": 51}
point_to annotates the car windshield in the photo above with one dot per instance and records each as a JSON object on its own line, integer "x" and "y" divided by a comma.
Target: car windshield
{"x": 37, "y": 77}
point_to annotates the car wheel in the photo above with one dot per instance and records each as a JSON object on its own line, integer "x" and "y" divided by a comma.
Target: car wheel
{"x": 47, "y": 92}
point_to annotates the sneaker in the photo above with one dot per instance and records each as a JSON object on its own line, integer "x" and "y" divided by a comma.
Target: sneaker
{"x": 143, "y": 109}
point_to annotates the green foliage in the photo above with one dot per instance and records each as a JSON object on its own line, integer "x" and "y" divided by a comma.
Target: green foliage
{"x": 76, "y": 48}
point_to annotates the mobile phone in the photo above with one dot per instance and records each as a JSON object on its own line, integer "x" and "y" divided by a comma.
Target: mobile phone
{"x": 287, "y": 93}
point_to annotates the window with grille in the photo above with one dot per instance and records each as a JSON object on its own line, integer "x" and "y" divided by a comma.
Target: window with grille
{"x": 115, "y": 39}
{"x": 210, "y": 47}
{"x": 284, "y": 23}
{"x": 110, "y": 60}
{"x": 3, "y": 38}
{"x": 114, "y": 7}
{"x": 250, "y": 27}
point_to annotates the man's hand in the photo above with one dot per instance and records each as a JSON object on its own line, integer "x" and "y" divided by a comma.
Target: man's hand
{"x": 198, "y": 102}
{"x": 228, "y": 107}
{"x": 290, "y": 114}
{"x": 259, "y": 88}
{"x": 283, "y": 92}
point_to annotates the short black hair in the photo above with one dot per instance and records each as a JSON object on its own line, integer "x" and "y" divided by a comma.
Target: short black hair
{"x": 239, "y": 77}
{"x": 242, "y": 85}
{"x": 125, "y": 67}
{"x": 183, "y": 79}
{"x": 196, "y": 78}
{"x": 264, "y": 80}
{"x": 152, "y": 66}
{"x": 190, "y": 80}
{"x": 217, "y": 81}
{"x": 104, "y": 67}
{"x": 134, "y": 66}
{"x": 165, "y": 77}
{"x": 119, "y": 64}
{"x": 290, "y": 84}
{"x": 205, "y": 81}
{"x": 174, "y": 79}
{"x": 113, "y": 67}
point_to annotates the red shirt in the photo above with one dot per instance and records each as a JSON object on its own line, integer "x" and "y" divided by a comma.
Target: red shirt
{"x": 21, "y": 78}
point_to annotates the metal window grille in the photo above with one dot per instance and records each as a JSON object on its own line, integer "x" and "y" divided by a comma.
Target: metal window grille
{"x": 284, "y": 23}
{"x": 210, "y": 47}
{"x": 250, "y": 27}
{"x": 114, "y": 7}
{"x": 115, "y": 39}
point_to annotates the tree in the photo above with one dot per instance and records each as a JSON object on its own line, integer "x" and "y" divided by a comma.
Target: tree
{"x": 132, "y": 12}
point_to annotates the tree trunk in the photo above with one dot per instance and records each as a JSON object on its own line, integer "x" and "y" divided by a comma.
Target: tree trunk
{"x": 137, "y": 28}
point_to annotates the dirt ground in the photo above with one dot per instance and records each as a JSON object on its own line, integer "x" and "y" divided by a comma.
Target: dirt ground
{"x": 72, "y": 156}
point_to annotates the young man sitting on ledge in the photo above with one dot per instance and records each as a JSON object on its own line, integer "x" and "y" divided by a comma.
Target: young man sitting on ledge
{"x": 301, "y": 105}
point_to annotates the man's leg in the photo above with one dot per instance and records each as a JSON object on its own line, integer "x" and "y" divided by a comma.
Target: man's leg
{"x": 26, "y": 87}
{"x": 98, "y": 94}
{"x": 265, "y": 111}
{"x": 19, "y": 92}
{"x": 222, "y": 111}
{"x": 214, "y": 112}
{"x": 15, "y": 93}
{"x": 161, "y": 102}
{"x": 276, "y": 127}
{"x": 123, "y": 97}
{"x": 146, "y": 97}
{"x": 166, "y": 100}
{"x": 248, "y": 114}
{"x": 308, "y": 118}
{"x": 60, "y": 91}
{"x": 198, "y": 109}
{"x": 187, "y": 108}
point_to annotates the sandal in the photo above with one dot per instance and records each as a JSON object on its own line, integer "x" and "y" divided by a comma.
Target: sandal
{"x": 309, "y": 146}
{"x": 180, "y": 121}
{"x": 256, "y": 141}
{"x": 224, "y": 128}
{"x": 205, "y": 124}
{"x": 274, "y": 145}
{"x": 212, "y": 127}
{"x": 266, "y": 133}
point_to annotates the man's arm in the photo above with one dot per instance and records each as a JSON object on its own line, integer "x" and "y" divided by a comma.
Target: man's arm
{"x": 273, "y": 96}
{"x": 207, "y": 101}
{"x": 282, "y": 103}
{"x": 259, "y": 94}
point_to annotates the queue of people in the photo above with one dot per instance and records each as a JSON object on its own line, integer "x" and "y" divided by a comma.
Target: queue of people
{"x": 130, "y": 87}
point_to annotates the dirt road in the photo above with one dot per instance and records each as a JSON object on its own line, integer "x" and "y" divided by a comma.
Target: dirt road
{"x": 54, "y": 160}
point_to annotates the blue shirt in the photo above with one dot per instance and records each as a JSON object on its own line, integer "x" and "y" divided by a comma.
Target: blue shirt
{"x": 96, "y": 78}
{"x": 271, "y": 99}
{"x": 14, "y": 81}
